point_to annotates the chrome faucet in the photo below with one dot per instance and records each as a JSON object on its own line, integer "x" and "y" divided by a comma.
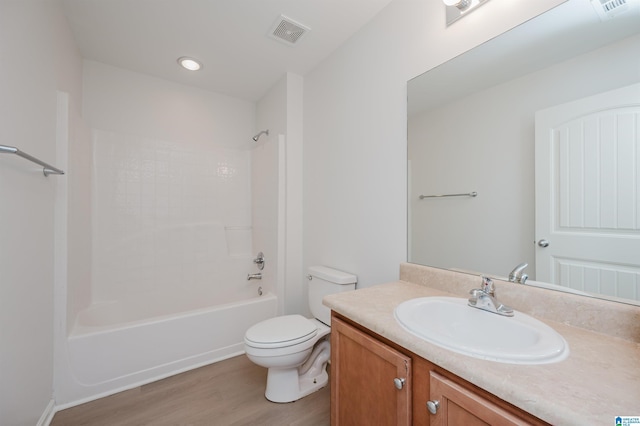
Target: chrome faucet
{"x": 485, "y": 298}
{"x": 257, "y": 276}
{"x": 518, "y": 275}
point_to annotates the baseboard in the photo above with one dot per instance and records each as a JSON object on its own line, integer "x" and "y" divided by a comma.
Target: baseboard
{"x": 47, "y": 416}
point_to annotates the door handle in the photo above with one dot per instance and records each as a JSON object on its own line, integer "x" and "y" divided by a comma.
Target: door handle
{"x": 543, "y": 243}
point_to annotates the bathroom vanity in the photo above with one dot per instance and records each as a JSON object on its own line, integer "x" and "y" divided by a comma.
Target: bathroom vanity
{"x": 375, "y": 381}
{"x": 382, "y": 374}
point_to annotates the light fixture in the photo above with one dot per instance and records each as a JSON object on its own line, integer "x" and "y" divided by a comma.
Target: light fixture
{"x": 189, "y": 63}
{"x": 460, "y": 4}
{"x": 456, "y": 9}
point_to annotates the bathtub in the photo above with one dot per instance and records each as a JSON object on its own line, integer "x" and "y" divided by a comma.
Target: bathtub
{"x": 116, "y": 346}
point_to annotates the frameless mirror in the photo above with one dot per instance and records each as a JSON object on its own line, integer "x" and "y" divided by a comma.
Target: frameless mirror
{"x": 487, "y": 122}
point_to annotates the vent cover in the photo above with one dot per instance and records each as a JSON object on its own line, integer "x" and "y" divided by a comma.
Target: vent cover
{"x": 608, "y": 9}
{"x": 287, "y": 30}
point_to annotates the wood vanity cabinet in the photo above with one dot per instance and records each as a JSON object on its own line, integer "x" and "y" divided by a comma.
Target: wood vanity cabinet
{"x": 460, "y": 405}
{"x": 376, "y": 382}
{"x": 370, "y": 381}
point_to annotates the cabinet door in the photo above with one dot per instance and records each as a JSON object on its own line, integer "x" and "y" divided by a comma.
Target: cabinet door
{"x": 461, "y": 406}
{"x": 364, "y": 389}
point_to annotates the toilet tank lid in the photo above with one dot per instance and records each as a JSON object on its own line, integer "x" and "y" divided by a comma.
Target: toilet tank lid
{"x": 332, "y": 275}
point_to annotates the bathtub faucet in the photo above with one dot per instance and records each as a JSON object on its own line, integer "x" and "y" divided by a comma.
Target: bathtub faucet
{"x": 518, "y": 275}
{"x": 257, "y": 276}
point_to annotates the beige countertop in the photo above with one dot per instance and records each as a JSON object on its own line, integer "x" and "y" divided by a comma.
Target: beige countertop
{"x": 597, "y": 382}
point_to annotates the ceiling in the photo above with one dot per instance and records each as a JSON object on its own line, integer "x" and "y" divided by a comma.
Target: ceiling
{"x": 228, "y": 36}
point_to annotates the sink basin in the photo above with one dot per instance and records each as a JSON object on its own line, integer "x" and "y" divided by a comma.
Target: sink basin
{"x": 450, "y": 323}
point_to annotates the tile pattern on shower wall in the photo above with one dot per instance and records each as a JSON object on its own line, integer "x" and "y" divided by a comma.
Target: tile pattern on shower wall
{"x": 159, "y": 214}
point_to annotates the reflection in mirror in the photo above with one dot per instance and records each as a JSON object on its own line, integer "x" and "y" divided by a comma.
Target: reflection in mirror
{"x": 474, "y": 125}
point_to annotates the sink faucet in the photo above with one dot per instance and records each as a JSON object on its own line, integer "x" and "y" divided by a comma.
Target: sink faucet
{"x": 485, "y": 298}
{"x": 518, "y": 275}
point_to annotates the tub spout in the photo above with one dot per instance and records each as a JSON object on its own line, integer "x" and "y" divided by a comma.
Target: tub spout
{"x": 257, "y": 276}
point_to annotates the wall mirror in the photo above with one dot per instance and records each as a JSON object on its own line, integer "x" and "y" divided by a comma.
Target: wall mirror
{"x": 476, "y": 124}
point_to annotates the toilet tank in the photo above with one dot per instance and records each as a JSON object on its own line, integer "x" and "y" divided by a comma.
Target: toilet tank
{"x": 324, "y": 281}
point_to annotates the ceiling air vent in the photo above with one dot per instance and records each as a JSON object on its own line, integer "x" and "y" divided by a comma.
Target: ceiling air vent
{"x": 608, "y": 9}
{"x": 287, "y": 30}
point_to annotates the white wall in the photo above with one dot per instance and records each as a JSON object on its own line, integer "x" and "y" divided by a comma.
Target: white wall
{"x": 266, "y": 190}
{"x": 38, "y": 57}
{"x": 75, "y": 288}
{"x": 127, "y": 102}
{"x": 493, "y": 153}
{"x": 355, "y": 129}
{"x": 265, "y": 196}
{"x": 280, "y": 111}
{"x": 296, "y": 282}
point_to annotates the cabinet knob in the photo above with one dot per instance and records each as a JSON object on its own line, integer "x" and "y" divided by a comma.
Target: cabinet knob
{"x": 399, "y": 383}
{"x": 433, "y": 406}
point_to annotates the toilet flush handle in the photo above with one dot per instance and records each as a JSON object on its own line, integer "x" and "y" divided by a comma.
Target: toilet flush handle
{"x": 309, "y": 277}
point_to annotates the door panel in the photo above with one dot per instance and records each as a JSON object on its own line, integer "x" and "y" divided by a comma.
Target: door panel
{"x": 588, "y": 193}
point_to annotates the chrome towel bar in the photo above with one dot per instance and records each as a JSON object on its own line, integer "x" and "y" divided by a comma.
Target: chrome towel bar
{"x": 470, "y": 194}
{"x": 47, "y": 170}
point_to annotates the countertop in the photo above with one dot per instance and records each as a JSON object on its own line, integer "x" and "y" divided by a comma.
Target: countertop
{"x": 597, "y": 382}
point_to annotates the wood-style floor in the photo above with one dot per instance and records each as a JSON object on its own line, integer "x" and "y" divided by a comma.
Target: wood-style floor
{"x": 229, "y": 392}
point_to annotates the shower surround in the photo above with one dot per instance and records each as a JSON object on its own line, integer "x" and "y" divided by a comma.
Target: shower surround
{"x": 175, "y": 184}
{"x": 169, "y": 218}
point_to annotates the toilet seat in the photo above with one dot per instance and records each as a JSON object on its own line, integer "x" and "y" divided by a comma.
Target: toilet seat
{"x": 283, "y": 331}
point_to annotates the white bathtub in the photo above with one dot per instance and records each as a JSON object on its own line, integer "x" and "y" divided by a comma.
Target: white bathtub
{"x": 112, "y": 348}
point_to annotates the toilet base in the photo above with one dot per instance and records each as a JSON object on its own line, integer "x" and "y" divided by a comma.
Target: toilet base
{"x": 291, "y": 384}
{"x": 288, "y": 386}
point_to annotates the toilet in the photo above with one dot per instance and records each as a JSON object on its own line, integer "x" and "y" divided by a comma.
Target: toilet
{"x": 296, "y": 349}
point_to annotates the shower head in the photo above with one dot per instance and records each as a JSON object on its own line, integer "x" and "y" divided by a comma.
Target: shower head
{"x": 256, "y": 137}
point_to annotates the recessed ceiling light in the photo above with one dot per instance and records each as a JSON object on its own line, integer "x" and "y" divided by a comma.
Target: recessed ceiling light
{"x": 189, "y": 63}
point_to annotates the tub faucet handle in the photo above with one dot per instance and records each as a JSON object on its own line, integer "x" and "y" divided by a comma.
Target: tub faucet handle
{"x": 259, "y": 260}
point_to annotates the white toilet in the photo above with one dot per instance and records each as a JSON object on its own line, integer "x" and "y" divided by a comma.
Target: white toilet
{"x": 296, "y": 349}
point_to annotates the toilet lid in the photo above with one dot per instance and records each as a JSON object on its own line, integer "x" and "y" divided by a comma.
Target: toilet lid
{"x": 281, "y": 331}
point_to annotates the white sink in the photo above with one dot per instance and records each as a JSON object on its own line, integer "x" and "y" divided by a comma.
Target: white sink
{"x": 450, "y": 323}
